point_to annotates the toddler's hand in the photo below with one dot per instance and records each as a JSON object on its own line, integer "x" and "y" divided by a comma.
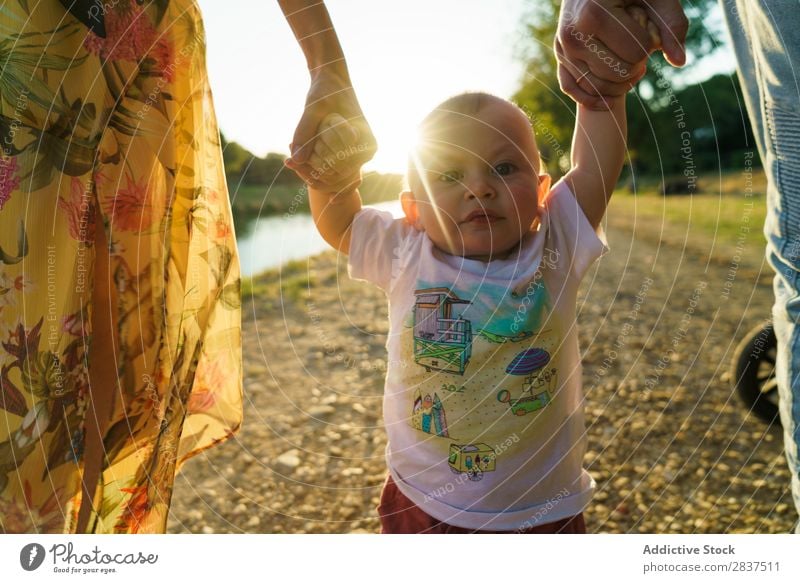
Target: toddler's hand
{"x": 335, "y": 159}
{"x": 639, "y": 14}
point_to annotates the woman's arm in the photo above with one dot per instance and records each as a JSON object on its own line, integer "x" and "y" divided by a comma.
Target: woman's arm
{"x": 330, "y": 91}
{"x": 313, "y": 29}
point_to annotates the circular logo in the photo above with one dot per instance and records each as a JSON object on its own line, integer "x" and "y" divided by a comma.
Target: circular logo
{"x": 31, "y": 556}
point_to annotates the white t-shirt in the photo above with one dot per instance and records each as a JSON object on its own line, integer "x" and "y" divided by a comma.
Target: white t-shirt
{"x": 483, "y": 398}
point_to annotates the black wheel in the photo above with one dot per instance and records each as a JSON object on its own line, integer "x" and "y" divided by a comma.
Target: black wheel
{"x": 753, "y": 374}
{"x": 475, "y": 475}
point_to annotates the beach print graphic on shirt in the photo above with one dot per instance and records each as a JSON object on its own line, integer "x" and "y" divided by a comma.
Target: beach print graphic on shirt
{"x": 538, "y": 385}
{"x": 478, "y": 366}
{"x": 471, "y": 460}
{"x": 428, "y": 414}
{"x": 442, "y": 339}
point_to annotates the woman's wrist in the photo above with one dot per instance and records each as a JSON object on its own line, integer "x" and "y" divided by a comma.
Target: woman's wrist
{"x": 313, "y": 29}
{"x": 332, "y": 70}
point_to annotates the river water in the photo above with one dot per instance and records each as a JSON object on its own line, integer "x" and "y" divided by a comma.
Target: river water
{"x": 272, "y": 241}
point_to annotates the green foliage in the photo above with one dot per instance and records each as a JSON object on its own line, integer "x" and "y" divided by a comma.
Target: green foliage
{"x": 713, "y": 114}
{"x": 551, "y": 112}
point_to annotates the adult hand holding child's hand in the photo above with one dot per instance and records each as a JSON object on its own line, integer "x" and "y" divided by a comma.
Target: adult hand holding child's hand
{"x": 602, "y": 46}
{"x": 350, "y": 144}
{"x": 338, "y": 154}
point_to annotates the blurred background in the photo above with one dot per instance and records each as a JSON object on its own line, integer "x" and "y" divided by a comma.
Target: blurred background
{"x": 664, "y": 317}
{"x": 406, "y": 57}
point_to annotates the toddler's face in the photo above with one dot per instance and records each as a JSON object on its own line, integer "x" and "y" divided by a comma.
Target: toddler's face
{"x": 477, "y": 187}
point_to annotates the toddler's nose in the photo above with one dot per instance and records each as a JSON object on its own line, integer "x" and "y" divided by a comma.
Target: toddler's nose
{"x": 479, "y": 187}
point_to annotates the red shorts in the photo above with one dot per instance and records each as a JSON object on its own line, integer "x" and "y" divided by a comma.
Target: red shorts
{"x": 399, "y": 515}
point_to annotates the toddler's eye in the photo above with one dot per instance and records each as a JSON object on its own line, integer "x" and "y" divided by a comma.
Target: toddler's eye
{"x": 504, "y": 169}
{"x": 450, "y": 176}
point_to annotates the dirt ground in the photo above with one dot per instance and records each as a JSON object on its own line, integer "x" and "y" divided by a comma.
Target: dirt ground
{"x": 670, "y": 446}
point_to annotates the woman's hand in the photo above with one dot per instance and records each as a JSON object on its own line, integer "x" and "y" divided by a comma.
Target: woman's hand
{"x": 331, "y": 93}
{"x": 602, "y": 48}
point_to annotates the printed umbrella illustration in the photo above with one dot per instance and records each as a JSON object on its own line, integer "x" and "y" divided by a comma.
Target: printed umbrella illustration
{"x": 528, "y": 363}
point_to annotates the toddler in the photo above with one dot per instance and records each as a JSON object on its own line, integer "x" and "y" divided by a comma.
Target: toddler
{"x": 483, "y": 403}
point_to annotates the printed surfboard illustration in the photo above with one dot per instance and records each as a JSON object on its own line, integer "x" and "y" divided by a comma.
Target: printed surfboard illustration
{"x": 441, "y": 341}
{"x": 428, "y": 414}
{"x": 473, "y": 459}
{"x": 537, "y": 388}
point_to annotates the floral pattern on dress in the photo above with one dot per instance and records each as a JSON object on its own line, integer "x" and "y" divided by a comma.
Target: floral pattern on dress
{"x": 124, "y": 126}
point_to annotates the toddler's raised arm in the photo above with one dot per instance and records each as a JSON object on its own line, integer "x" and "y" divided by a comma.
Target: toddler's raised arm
{"x": 598, "y": 151}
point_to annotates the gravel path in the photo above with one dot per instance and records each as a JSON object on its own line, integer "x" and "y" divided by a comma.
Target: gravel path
{"x": 670, "y": 446}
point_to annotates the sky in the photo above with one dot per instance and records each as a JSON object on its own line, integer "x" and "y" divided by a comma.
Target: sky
{"x": 404, "y": 58}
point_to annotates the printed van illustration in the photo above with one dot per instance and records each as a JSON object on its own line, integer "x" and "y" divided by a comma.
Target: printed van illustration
{"x": 473, "y": 460}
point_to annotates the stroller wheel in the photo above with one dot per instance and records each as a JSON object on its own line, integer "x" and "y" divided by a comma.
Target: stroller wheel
{"x": 753, "y": 374}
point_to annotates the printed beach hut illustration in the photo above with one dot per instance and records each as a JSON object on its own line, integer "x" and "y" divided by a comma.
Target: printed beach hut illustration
{"x": 538, "y": 382}
{"x": 441, "y": 341}
{"x": 473, "y": 459}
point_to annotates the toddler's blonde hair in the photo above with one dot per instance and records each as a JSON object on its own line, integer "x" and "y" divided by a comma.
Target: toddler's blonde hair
{"x": 468, "y": 104}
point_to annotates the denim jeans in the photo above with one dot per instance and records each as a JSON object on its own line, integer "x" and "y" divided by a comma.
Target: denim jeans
{"x": 766, "y": 39}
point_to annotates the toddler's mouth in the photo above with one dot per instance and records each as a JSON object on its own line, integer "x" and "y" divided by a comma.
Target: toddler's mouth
{"x": 482, "y": 217}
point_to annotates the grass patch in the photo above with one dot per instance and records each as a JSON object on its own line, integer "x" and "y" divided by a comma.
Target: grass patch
{"x": 704, "y": 218}
{"x": 724, "y": 225}
{"x": 291, "y": 281}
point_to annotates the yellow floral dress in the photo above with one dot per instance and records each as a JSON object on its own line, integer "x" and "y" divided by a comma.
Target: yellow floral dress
{"x": 124, "y": 124}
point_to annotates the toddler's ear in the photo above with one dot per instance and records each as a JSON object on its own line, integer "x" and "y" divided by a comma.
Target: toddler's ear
{"x": 544, "y": 187}
{"x": 410, "y": 209}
